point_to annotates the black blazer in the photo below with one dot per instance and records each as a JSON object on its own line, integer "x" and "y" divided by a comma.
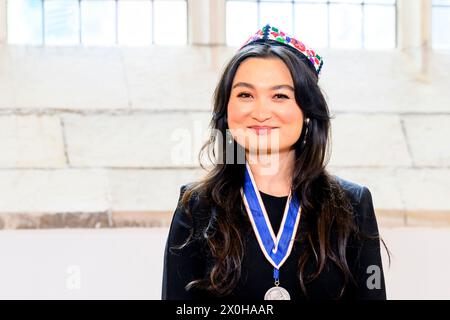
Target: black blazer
{"x": 193, "y": 262}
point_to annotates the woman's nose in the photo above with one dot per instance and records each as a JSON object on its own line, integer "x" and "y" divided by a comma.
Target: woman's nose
{"x": 261, "y": 111}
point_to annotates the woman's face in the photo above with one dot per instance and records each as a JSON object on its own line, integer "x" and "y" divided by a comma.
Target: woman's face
{"x": 263, "y": 115}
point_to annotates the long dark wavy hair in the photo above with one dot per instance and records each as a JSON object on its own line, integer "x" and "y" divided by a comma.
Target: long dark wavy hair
{"x": 325, "y": 207}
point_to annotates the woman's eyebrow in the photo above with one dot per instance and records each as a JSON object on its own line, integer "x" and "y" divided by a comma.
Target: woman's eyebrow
{"x": 248, "y": 85}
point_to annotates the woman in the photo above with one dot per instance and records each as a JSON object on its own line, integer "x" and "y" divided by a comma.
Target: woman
{"x": 276, "y": 225}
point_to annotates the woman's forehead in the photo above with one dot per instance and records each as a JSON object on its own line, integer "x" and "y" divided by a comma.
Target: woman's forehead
{"x": 270, "y": 87}
{"x": 264, "y": 73}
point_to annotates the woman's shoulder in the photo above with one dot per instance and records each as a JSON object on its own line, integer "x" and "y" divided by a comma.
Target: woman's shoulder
{"x": 193, "y": 200}
{"x": 354, "y": 191}
{"x": 361, "y": 199}
{"x": 184, "y": 187}
{"x": 193, "y": 215}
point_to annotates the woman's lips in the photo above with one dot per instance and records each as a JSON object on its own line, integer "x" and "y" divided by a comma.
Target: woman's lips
{"x": 262, "y": 130}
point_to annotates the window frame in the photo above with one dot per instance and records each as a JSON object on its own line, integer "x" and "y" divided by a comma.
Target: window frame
{"x": 116, "y": 24}
{"x": 433, "y": 6}
{"x": 328, "y": 4}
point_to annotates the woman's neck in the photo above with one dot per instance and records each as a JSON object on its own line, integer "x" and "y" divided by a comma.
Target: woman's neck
{"x": 273, "y": 174}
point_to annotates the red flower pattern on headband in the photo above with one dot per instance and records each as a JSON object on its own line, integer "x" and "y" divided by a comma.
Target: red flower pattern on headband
{"x": 269, "y": 32}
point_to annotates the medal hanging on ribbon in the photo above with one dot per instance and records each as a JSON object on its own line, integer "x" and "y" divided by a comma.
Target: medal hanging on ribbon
{"x": 275, "y": 249}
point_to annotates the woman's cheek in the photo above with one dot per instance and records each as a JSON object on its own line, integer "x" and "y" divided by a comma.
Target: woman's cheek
{"x": 292, "y": 121}
{"x": 236, "y": 116}
{"x": 290, "y": 114}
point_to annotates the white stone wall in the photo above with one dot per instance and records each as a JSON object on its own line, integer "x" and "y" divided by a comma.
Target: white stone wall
{"x": 101, "y": 130}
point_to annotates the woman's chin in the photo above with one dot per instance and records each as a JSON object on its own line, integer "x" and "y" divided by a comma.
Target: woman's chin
{"x": 261, "y": 151}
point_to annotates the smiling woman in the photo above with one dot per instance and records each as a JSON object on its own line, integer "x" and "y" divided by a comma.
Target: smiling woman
{"x": 278, "y": 226}
{"x": 262, "y": 102}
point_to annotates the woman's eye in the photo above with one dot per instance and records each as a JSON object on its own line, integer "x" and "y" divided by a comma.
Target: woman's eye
{"x": 247, "y": 95}
{"x": 283, "y": 96}
{"x": 243, "y": 95}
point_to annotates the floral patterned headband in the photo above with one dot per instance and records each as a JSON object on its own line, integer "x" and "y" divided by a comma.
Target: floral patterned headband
{"x": 269, "y": 32}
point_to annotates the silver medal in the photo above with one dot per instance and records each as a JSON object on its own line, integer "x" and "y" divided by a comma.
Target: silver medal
{"x": 277, "y": 293}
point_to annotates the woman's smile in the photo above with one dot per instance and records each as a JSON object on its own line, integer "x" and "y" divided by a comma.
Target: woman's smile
{"x": 262, "y": 130}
